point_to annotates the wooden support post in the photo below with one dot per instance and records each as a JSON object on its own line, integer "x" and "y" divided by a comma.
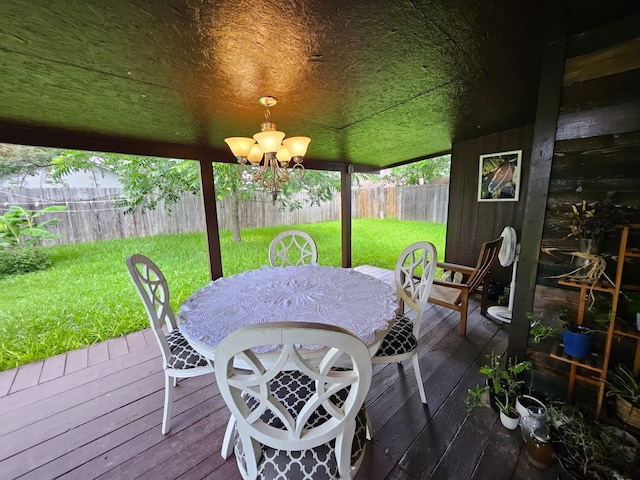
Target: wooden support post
{"x": 538, "y": 187}
{"x": 211, "y": 219}
{"x": 345, "y": 215}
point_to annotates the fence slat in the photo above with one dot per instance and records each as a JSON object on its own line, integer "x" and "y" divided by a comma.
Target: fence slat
{"x": 92, "y": 214}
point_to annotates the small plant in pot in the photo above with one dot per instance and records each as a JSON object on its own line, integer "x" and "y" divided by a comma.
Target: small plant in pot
{"x": 503, "y": 384}
{"x": 624, "y": 386}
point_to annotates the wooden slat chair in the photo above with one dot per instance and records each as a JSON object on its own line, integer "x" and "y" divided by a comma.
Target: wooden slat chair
{"x": 294, "y": 418}
{"x": 456, "y": 295}
{"x": 292, "y": 248}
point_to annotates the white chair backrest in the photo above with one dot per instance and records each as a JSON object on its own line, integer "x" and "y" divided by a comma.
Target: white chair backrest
{"x": 154, "y": 292}
{"x": 342, "y": 349}
{"x": 414, "y": 273}
{"x": 292, "y": 248}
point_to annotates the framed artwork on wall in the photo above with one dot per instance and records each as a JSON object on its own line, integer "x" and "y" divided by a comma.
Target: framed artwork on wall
{"x": 499, "y": 176}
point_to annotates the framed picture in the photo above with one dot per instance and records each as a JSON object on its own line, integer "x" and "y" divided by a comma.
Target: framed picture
{"x": 499, "y": 177}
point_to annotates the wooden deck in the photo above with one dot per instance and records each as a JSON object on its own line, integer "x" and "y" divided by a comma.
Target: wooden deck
{"x": 96, "y": 413}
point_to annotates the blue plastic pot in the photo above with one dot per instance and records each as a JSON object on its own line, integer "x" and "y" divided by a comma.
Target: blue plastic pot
{"x": 578, "y": 341}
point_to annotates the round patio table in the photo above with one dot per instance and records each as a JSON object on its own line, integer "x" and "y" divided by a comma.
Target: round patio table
{"x": 342, "y": 297}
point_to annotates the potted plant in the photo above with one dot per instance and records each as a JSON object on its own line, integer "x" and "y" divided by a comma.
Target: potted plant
{"x": 577, "y": 340}
{"x": 503, "y": 385}
{"x": 625, "y": 388}
{"x": 591, "y": 220}
{"x": 589, "y": 223}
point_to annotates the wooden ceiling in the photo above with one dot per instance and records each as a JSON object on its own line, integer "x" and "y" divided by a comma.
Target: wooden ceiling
{"x": 372, "y": 82}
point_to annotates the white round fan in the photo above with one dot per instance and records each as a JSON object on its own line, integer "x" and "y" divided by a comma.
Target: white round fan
{"x": 508, "y": 255}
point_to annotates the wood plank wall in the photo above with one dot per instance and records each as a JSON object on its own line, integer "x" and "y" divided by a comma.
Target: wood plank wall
{"x": 596, "y": 157}
{"x": 470, "y": 222}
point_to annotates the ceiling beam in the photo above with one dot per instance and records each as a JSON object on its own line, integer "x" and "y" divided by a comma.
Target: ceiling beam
{"x": 54, "y": 138}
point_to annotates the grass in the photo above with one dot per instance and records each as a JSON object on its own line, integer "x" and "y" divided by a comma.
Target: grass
{"x": 87, "y": 295}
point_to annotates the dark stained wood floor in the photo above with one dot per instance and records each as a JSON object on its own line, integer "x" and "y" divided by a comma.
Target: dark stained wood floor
{"x": 96, "y": 413}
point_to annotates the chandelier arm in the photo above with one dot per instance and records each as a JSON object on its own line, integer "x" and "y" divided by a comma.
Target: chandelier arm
{"x": 261, "y": 172}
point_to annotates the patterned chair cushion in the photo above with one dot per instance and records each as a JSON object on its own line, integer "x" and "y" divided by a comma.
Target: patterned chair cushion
{"x": 292, "y": 389}
{"x": 399, "y": 339}
{"x": 182, "y": 354}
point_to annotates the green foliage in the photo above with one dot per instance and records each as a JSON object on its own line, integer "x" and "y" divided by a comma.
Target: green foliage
{"x": 417, "y": 173}
{"x": 588, "y": 448}
{"x": 146, "y": 181}
{"x": 87, "y": 296}
{"x": 320, "y": 186}
{"x": 624, "y": 384}
{"x": 18, "y": 226}
{"x": 592, "y": 219}
{"x": 475, "y": 397}
{"x": 18, "y": 261}
{"x": 19, "y": 161}
{"x": 633, "y": 299}
{"x": 537, "y": 330}
{"x": 503, "y": 379}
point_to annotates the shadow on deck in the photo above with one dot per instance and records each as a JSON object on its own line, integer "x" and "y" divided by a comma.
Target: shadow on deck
{"x": 96, "y": 413}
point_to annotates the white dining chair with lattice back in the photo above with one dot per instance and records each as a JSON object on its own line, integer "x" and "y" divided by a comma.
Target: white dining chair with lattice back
{"x": 179, "y": 359}
{"x": 414, "y": 273}
{"x": 296, "y": 418}
{"x": 292, "y": 248}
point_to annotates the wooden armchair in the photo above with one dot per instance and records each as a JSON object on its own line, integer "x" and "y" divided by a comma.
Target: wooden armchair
{"x": 456, "y": 295}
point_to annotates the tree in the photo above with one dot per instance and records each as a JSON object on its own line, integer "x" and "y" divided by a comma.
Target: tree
{"x": 18, "y": 161}
{"x": 146, "y": 181}
{"x": 417, "y": 173}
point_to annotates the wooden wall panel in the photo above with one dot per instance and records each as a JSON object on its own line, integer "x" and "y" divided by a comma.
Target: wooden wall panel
{"x": 602, "y": 92}
{"x": 471, "y": 222}
{"x": 596, "y": 157}
{"x": 603, "y": 121}
{"x": 602, "y": 63}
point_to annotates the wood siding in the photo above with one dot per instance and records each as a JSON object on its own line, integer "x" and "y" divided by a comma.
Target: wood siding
{"x": 596, "y": 157}
{"x": 471, "y": 223}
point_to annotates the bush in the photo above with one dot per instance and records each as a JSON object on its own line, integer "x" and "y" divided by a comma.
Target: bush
{"x": 17, "y": 261}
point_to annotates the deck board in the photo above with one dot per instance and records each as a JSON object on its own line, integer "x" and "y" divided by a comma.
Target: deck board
{"x": 98, "y": 353}
{"x": 97, "y": 412}
{"x": 6, "y": 380}
{"x": 53, "y": 368}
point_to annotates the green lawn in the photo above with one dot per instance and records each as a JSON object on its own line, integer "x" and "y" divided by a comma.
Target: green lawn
{"x": 87, "y": 295}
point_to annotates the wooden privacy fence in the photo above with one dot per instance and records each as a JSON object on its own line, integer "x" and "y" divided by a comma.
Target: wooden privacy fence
{"x": 93, "y": 215}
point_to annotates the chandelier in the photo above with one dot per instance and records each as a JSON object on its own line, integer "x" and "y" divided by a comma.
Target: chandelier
{"x": 266, "y": 156}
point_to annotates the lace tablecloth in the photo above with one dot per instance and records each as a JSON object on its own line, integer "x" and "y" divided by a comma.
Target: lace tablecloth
{"x": 343, "y": 297}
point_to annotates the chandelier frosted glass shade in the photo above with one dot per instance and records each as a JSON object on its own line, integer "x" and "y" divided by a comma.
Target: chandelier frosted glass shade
{"x": 269, "y": 141}
{"x": 240, "y": 146}
{"x": 297, "y": 146}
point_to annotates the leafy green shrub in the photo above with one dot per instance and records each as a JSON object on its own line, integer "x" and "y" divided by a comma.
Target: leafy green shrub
{"x": 22, "y": 260}
{"x": 18, "y": 226}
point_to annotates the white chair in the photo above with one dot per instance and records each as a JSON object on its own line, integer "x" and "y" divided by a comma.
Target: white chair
{"x": 294, "y": 418}
{"x": 414, "y": 276}
{"x": 292, "y": 248}
{"x": 179, "y": 359}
